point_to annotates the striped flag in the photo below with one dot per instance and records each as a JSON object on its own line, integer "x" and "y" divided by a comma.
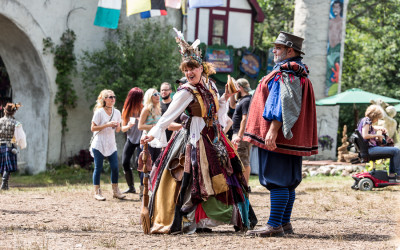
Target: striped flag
{"x": 107, "y": 14}
{"x": 137, "y": 6}
{"x": 205, "y": 3}
{"x": 157, "y": 9}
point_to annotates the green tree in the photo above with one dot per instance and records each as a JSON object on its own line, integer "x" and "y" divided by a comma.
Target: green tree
{"x": 279, "y": 15}
{"x": 372, "y": 55}
{"x": 372, "y": 52}
{"x": 143, "y": 58}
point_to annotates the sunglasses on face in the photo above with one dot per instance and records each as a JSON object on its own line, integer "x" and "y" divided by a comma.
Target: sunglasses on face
{"x": 112, "y": 97}
{"x": 156, "y": 94}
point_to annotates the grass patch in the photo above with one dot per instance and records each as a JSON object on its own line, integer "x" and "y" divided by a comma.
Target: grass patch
{"x": 62, "y": 176}
{"x": 68, "y": 175}
{"x": 328, "y": 179}
{"x": 318, "y": 181}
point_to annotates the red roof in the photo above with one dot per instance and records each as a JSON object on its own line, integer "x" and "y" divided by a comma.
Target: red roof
{"x": 259, "y": 14}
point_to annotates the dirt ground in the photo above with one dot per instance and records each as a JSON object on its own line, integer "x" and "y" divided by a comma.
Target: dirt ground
{"x": 328, "y": 214}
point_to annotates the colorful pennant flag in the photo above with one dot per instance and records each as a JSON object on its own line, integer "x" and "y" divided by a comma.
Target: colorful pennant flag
{"x": 205, "y": 3}
{"x": 184, "y": 7}
{"x": 175, "y": 4}
{"x": 157, "y": 9}
{"x": 137, "y": 6}
{"x": 107, "y": 14}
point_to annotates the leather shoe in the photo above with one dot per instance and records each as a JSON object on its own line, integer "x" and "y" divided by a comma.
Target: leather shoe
{"x": 268, "y": 231}
{"x": 287, "y": 228}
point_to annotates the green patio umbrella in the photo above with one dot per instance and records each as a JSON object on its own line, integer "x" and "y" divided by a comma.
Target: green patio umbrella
{"x": 397, "y": 107}
{"x": 354, "y": 96}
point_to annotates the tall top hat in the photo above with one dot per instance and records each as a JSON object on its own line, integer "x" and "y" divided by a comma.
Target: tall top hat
{"x": 290, "y": 40}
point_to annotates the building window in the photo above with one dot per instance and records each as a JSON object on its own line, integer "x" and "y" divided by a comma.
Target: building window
{"x": 218, "y": 32}
{"x": 218, "y": 28}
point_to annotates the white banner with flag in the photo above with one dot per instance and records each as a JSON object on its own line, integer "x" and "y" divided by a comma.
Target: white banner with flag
{"x": 205, "y": 3}
{"x": 175, "y": 4}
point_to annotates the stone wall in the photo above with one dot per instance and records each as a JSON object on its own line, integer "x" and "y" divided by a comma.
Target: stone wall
{"x": 23, "y": 26}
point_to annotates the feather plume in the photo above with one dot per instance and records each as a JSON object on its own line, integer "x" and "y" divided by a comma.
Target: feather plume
{"x": 188, "y": 51}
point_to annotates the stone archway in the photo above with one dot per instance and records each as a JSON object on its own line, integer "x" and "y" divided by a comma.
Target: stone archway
{"x": 30, "y": 86}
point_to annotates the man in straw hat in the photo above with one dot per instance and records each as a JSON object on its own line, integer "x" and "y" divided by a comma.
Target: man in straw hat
{"x": 282, "y": 123}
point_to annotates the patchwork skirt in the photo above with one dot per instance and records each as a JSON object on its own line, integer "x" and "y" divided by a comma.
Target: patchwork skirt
{"x": 192, "y": 187}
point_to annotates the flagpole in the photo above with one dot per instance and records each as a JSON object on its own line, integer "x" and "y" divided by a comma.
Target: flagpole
{"x": 345, "y": 4}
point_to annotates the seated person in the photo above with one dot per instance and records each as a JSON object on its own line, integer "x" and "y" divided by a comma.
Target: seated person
{"x": 373, "y": 135}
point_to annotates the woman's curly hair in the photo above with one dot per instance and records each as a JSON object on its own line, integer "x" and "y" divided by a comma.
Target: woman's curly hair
{"x": 208, "y": 68}
{"x": 374, "y": 112}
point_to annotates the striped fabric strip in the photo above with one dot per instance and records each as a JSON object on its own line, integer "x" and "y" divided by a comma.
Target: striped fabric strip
{"x": 108, "y": 12}
{"x": 157, "y": 9}
{"x": 288, "y": 210}
{"x": 291, "y": 95}
{"x": 282, "y": 146}
{"x": 279, "y": 200}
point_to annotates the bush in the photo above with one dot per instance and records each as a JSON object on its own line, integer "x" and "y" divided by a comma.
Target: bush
{"x": 83, "y": 159}
{"x": 142, "y": 58}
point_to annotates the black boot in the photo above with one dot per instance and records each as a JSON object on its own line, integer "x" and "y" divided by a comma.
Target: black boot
{"x": 129, "y": 181}
{"x": 4, "y": 184}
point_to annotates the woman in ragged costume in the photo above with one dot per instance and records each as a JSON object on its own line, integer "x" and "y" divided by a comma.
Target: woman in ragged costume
{"x": 198, "y": 180}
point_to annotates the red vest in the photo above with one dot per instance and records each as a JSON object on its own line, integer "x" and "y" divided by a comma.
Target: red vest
{"x": 304, "y": 141}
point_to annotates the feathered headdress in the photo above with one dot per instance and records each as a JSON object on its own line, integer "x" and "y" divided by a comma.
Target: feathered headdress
{"x": 188, "y": 51}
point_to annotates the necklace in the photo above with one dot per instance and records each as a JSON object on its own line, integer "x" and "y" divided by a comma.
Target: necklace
{"x": 107, "y": 109}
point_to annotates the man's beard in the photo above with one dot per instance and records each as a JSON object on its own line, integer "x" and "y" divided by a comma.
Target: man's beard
{"x": 165, "y": 97}
{"x": 281, "y": 57}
